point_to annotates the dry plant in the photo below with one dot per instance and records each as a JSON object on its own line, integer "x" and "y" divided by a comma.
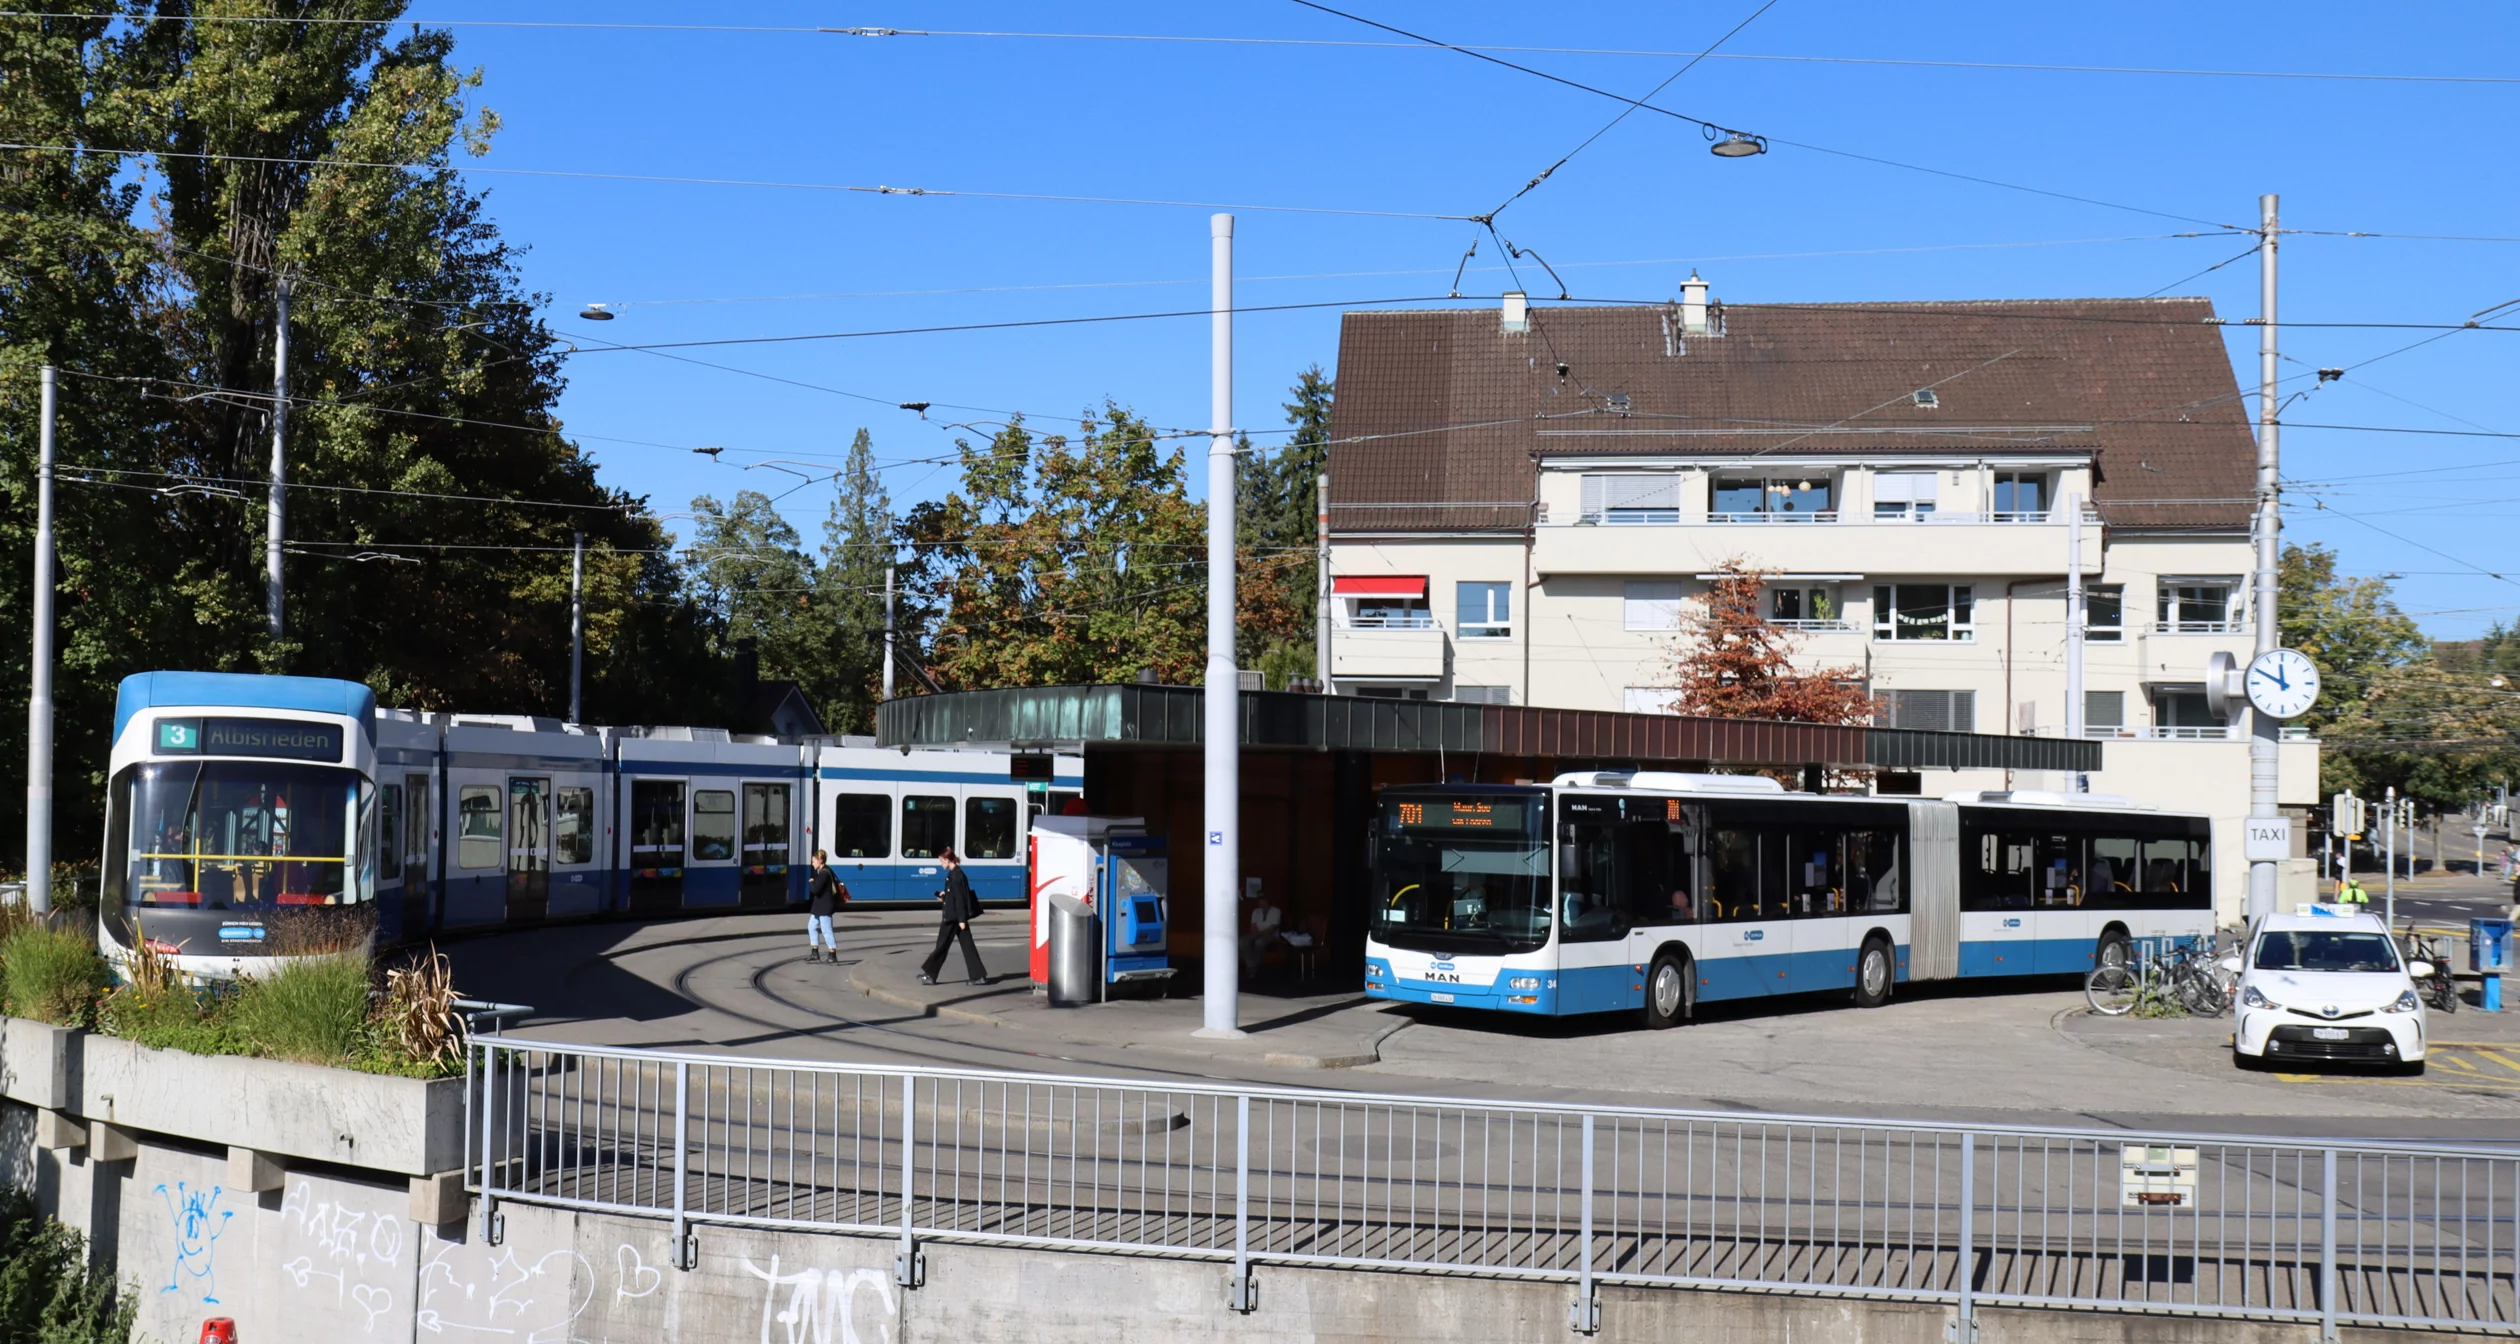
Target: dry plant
{"x": 149, "y": 974}
{"x": 323, "y": 931}
{"x": 420, "y": 1009}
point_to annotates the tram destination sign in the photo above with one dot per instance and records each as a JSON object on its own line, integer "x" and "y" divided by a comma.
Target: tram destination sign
{"x": 272, "y": 739}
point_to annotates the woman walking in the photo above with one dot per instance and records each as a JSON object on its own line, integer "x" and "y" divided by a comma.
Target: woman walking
{"x": 826, "y": 891}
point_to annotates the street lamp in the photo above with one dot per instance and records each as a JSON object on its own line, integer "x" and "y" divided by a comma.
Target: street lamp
{"x": 1735, "y": 144}
{"x": 597, "y": 312}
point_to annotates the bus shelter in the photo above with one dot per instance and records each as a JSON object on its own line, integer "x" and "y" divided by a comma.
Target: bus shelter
{"x": 1312, "y": 765}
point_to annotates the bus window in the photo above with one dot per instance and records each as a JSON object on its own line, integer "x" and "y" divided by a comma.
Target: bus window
{"x": 927, "y": 826}
{"x": 1872, "y": 860}
{"x": 861, "y": 826}
{"x": 1662, "y": 867}
{"x": 2165, "y": 868}
{"x": 1732, "y": 882}
{"x": 477, "y": 828}
{"x": 2059, "y": 859}
{"x": 988, "y": 828}
{"x": 2000, "y": 872}
{"x": 1775, "y": 889}
{"x": 1817, "y": 875}
{"x": 2113, "y": 871}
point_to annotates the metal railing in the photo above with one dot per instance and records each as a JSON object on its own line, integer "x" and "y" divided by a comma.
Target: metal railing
{"x": 2270, "y": 1229}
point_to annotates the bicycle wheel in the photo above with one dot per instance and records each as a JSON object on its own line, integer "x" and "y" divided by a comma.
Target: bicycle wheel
{"x": 2112, "y": 989}
{"x": 2202, "y": 996}
{"x": 2444, "y": 992}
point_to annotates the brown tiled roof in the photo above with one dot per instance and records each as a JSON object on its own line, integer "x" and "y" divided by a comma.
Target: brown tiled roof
{"x": 1439, "y": 413}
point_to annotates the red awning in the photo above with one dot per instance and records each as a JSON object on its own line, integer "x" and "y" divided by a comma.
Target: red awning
{"x": 1379, "y": 585}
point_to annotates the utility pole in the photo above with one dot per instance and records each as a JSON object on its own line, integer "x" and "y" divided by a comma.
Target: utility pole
{"x": 279, "y": 511}
{"x": 2388, "y": 859}
{"x": 577, "y": 625}
{"x": 1223, "y": 692}
{"x": 1321, "y": 571}
{"x": 2074, "y": 630}
{"x": 888, "y": 630}
{"x": 2263, "y": 727}
{"x": 39, "y": 700}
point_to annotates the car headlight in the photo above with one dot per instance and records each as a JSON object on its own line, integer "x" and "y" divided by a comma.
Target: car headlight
{"x": 2251, "y": 998}
{"x": 2406, "y": 1003}
{"x": 1523, "y": 982}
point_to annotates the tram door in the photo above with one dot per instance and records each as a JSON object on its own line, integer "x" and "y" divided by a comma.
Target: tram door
{"x": 529, "y": 849}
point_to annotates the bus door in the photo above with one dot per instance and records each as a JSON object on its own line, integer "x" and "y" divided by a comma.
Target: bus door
{"x": 2022, "y": 873}
{"x": 860, "y": 839}
{"x": 1825, "y": 936}
{"x": 529, "y": 849}
{"x": 1749, "y": 943}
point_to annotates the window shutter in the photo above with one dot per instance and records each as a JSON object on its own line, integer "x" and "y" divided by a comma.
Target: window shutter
{"x": 1640, "y": 492}
{"x": 1653, "y": 604}
{"x": 1592, "y": 496}
{"x": 1904, "y": 487}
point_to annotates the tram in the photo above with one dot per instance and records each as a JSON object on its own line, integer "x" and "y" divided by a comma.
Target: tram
{"x": 246, "y": 814}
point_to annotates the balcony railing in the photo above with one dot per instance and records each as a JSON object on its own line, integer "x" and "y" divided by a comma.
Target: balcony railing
{"x": 1930, "y": 517}
{"x": 1815, "y": 625}
{"x": 2200, "y": 627}
{"x": 2161, "y": 732}
{"x": 1387, "y": 623}
{"x": 1816, "y": 516}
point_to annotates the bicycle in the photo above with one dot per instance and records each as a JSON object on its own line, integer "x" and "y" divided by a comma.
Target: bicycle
{"x": 2187, "y": 979}
{"x": 2440, "y": 990}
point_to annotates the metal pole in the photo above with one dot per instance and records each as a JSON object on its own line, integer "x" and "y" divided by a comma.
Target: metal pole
{"x": 682, "y": 1160}
{"x": 1321, "y": 600}
{"x": 888, "y": 630}
{"x": 2263, "y": 727}
{"x": 577, "y": 625}
{"x": 279, "y": 512}
{"x": 1240, "y": 1298}
{"x": 1964, "y": 1328}
{"x": 39, "y": 700}
{"x": 1224, "y": 689}
{"x": 1585, "y": 1315}
{"x": 2327, "y": 1246}
{"x": 2388, "y": 852}
{"x": 2074, "y": 616}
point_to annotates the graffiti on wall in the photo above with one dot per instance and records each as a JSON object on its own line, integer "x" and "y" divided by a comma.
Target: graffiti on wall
{"x": 198, "y": 1224}
{"x": 344, "y": 1247}
{"x": 820, "y": 1304}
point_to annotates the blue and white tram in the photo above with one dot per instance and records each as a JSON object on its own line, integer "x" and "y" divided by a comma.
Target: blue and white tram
{"x": 1650, "y": 892}
{"x": 234, "y": 799}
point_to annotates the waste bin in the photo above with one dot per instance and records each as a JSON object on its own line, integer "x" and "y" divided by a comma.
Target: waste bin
{"x": 1075, "y": 952}
{"x": 2489, "y": 955}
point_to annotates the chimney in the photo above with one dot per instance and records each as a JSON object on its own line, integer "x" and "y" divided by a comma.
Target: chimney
{"x": 1693, "y": 305}
{"x": 1516, "y": 314}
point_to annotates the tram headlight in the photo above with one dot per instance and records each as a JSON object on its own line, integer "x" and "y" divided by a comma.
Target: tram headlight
{"x": 1523, "y": 982}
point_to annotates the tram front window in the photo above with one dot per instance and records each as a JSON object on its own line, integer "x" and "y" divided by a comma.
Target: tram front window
{"x": 1462, "y": 873}
{"x": 236, "y": 835}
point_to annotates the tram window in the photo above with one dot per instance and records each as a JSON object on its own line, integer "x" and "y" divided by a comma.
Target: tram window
{"x": 765, "y": 824}
{"x": 1732, "y": 879}
{"x": 416, "y": 824}
{"x": 1872, "y": 879}
{"x": 389, "y": 818}
{"x": 479, "y": 811}
{"x": 712, "y": 825}
{"x": 988, "y": 828}
{"x": 656, "y": 823}
{"x": 927, "y": 826}
{"x": 573, "y": 826}
{"x": 861, "y": 826}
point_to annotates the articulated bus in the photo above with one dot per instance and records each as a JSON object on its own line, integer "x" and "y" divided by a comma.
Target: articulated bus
{"x": 1652, "y": 892}
{"x": 234, "y": 800}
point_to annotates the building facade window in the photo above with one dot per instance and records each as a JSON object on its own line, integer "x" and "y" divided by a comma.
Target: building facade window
{"x": 1930, "y": 611}
{"x": 1904, "y": 496}
{"x": 1632, "y": 499}
{"x": 1773, "y": 499}
{"x": 2104, "y": 713}
{"x": 2022, "y": 496}
{"x": 1652, "y": 604}
{"x": 1484, "y": 611}
{"x": 1392, "y": 613}
{"x": 2183, "y": 711}
{"x": 1803, "y": 607}
{"x": 1483, "y": 695}
{"x": 2197, "y": 606}
{"x": 1938, "y": 711}
{"x": 2104, "y": 613}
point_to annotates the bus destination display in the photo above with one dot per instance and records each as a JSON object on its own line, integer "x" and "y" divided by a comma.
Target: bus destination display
{"x": 1505, "y": 815}
{"x": 270, "y": 739}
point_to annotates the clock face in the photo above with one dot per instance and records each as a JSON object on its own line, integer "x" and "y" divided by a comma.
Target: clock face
{"x": 2283, "y": 684}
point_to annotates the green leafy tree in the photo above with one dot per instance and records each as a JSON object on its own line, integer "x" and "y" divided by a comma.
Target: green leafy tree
{"x": 858, "y": 546}
{"x": 433, "y": 495}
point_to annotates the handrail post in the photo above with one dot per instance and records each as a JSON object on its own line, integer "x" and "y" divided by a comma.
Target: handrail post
{"x": 686, "y": 1252}
{"x": 909, "y": 1264}
{"x": 1240, "y": 1295}
{"x": 2327, "y": 1247}
{"x": 1585, "y": 1316}
{"x": 1964, "y": 1323}
{"x": 491, "y": 1222}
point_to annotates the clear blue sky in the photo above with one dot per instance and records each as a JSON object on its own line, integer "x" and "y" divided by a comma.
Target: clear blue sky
{"x": 1388, "y": 128}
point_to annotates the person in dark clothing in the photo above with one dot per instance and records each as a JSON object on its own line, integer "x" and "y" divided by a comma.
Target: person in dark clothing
{"x": 961, "y": 907}
{"x": 826, "y": 891}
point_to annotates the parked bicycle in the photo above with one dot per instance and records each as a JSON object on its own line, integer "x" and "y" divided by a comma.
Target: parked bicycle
{"x": 2185, "y": 979}
{"x": 2441, "y": 988}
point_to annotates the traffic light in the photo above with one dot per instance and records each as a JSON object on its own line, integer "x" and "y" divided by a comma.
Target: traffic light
{"x": 2345, "y": 816}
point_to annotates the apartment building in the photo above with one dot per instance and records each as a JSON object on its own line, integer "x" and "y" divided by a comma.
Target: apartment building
{"x": 1526, "y": 505}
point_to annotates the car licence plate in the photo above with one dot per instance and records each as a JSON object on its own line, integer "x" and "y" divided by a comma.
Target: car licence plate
{"x": 1441, "y": 998}
{"x": 2327, "y": 1033}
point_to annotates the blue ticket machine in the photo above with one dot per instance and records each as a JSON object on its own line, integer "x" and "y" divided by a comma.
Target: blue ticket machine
{"x": 1131, "y": 898}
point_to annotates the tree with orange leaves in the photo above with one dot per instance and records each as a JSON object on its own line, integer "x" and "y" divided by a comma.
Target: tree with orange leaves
{"x": 1733, "y": 663}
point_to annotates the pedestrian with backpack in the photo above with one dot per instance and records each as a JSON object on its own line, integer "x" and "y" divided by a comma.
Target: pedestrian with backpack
{"x": 825, "y": 891}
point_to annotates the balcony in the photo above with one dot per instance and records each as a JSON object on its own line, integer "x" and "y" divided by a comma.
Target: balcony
{"x": 2200, "y": 627}
{"x": 1815, "y": 626}
{"x": 1815, "y": 516}
{"x": 1852, "y": 546}
{"x": 1390, "y": 648}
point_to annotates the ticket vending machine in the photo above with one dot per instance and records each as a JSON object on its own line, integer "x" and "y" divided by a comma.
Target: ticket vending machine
{"x": 1112, "y": 867}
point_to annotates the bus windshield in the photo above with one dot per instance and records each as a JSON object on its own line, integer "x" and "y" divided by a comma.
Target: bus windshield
{"x": 235, "y": 835}
{"x": 1462, "y": 873}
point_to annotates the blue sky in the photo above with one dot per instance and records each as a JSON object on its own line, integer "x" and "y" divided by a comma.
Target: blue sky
{"x": 1418, "y": 131}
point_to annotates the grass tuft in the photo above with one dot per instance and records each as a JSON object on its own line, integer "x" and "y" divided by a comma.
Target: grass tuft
{"x": 310, "y": 1009}
{"x": 51, "y": 974}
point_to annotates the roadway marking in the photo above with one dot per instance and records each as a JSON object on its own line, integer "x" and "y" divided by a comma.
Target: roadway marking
{"x": 2471, "y": 1065}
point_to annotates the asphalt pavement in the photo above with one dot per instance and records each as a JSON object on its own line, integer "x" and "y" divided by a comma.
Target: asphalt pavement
{"x": 2020, "y": 1054}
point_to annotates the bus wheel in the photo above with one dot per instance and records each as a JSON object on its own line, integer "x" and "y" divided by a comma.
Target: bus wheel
{"x": 1873, "y": 975}
{"x": 2112, "y": 951}
{"x": 1668, "y": 991}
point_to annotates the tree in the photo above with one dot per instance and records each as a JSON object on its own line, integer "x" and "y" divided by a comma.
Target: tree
{"x": 1731, "y": 663}
{"x": 1278, "y": 510}
{"x": 433, "y": 495}
{"x": 858, "y": 547}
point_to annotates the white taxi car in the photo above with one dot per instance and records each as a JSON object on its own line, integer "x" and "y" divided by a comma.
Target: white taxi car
{"x": 2327, "y": 987}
